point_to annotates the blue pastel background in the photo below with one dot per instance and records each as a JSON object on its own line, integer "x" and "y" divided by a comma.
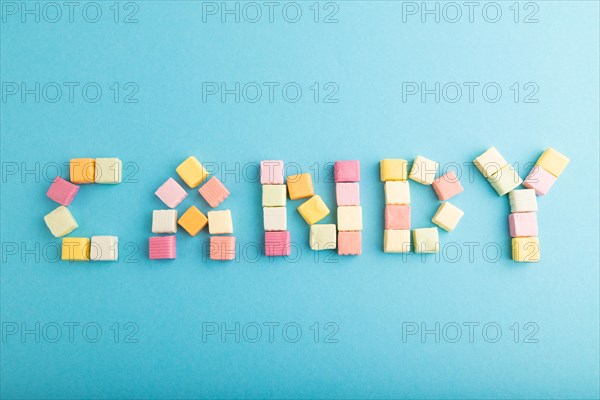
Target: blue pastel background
{"x": 368, "y": 53}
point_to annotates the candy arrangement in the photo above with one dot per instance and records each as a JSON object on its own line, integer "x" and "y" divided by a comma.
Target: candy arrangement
{"x": 349, "y": 212}
{"x": 274, "y": 201}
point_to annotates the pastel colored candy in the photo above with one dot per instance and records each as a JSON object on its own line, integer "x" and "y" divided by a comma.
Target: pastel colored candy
{"x": 271, "y": 172}
{"x": 423, "y": 170}
{"x": 523, "y": 224}
{"x": 164, "y": 221}
{"x": 277, "y": 244}
{"x": 300, "y": 186}
{"x": 104, "y": 248}
{"x": 193, "y": 220}
{"x": 490, "y": 162}
{"x": 75, "y": 249}
{"x": 349, "y": 243}
{"x": 60, "y": 221}
{"x": 522, "y": 200}
{"x": 396, "y": 241}
{"x": 171, "y": 193}
{"x": 275, "y": 218}
{"x": 397, "y": 217}
{"x": 526, "y": 249}
{"x": 191, "y": 172}
{"x": 539, "y": 180}
{"x": 62, "y": 191}
{"x": 214, "y": 192}
{"x": 349, "y": 218}
{"x": 313, "y": 210}
{"x": 447, "y": 216}
{"x": 222, "y": 248}
{"x": 82, "y": 170}
{"x": 220, "y": 222}
{"x": 108, "y": 170}
{"x": 323, "y": 237}
{"x": 393, "y": 169}
{"x": 397, "y": 192}
{"x": 447, "y": 186}
{"x": 426, "y": 240}
{"x": 553, "y": 161}
{"x": 274, "y": 195}
{"x": 346, "y": 171}
{"x": 162, "y": 247}
{"x": 505, "y": 180}
{"x": 347, "y": 194}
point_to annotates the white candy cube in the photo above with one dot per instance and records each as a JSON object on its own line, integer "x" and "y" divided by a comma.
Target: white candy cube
{"x": 323, "y": 237}
{"x": 275, "y": 218}
{"x": 349, "y": 218}
{"x": 108, "y": 170}
{"x": 397, "y": 192}
{"x": 523, "y": 200}
{"x": 396, "y": 241}
{"x": 447, "y": 216}
{"x": 274, "y": 195}
{"x": 104, "y": 248}
{"x": 164, "y": 221}
{"x": 423, "y": 170}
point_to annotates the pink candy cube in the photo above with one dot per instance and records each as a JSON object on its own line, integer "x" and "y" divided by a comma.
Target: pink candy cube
{"x": 523, "y": 224}
{"x": 346, "y": 171}
{"x": 397, "y": 217}
{"x": 162, "y": 247}
{"x": 349, "y": 243}
{"x": 222, "y": 248}
{"x": 539, "y": 180}
{"x": 277, "y": 243}
{"x": 62, "y": 191}
{"x": 347, "y": 194}
{"x": 214, "y": 192}
{"x": 171, "y": 193}
{"x": 271, "y": 172}
{"x": 447, "y": 186}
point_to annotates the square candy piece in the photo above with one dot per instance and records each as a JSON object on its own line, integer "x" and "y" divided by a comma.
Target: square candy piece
{"x": 523, "y": 224}
{"x": 82, "y": 170}
{"x": 349, "y": 218}
{"x": 275, "y": 218}
{"x": 277, "y": 244}
{"x": 423, "y": 170}
{"x": 347, "y": 194}
{"x": 220, "y": 222}
{"x": 396, "y": 241}
{"x": 505, "y": 180}
{"x": 393, "y": 169}
{"x": 193, "y": 220}
{"x": 271, "y": 172}
{"x": 191, "y": 172}
{"x": 523, "y": 200}
{"x": 526, "y": 249}
{"x": 447, "y": 216}
{"x": 222, "y": 248}
{"x": 313, "y": 210}
{"x": 104, "y": 248}
{"x": 349, "y": 243}
{"x": 539, "y": 180}
{"x": 397, "y": 192}
{"x": 60, "y": 221}
{"x": 62, "y": 191}
{"x": 108, "y": 170}
{"x": 274, "y": 195}
{"x": 426, "y": 240}
{"x": 171, "y": 193}
{"x": 553, "y": 161}
{"x": 346, "y": 171}
{"x": 162, "y": 248}
{"x": 490, "y": 162}
{"x": 447, "y": 186}
{"x": 164, "y": 221}
{"x": 323, "y": 237}
{"x": 397, "y": 217}
{"x": 75, "y": 249}
{"x": 300, "y": 186}
{"x": 214, "y": 192}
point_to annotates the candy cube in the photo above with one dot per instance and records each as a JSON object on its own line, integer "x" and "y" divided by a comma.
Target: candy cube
{"x": 60, "y": 221}
{"x": 220, "y": 222}
{"x": 522, "y": 200}
{"x": 396, "y": 241}
{"x": 323, "y": 237}
{"x": 347, "y": 194}
{"x": 82, "y": 170}
{"x": 490, "y": 162}
{"x": 393, "y": 170}
{"x": 277, "y": 244}
{"x": 423, "y": 170}
{"x": 505, "y": 180}
{"x": 349, "y": 218}
{"x": 553, "y": 161}
{"x": 523, "y": 224}
{"x": 539, "y": 180}
{"x": 108, "y": 170}
{"x": 349, "y": 243}
{"x": 193, "y": 220}
{"x": 274, "y": 195}
{"x": 275, "y": 218}
{"x": 192, "y": 172}
{"x": 214, "y": 192}
{"x": 346, "y": 171}
{"x": 162, "y": 247}
{"x": 171, "y": 193}
{"x": 447, "y": 216}
{"x": 426, "y": 240}
{"x": 447, "y": 186}
{"x": 271, "y": 172}
{"x": 75, "y": 249}
{"x": 526, "y": 249}
{"x": 104, "y": 248}
{"x": 397, "y": 192}
{"x": 222, "y": 248}
{"x": 62, "y": 191}
{"x": 300, "y": 186}
{"x": 164, "y": 221}
{"x": 397, "y": 217}
{"x": 313, "y": 210}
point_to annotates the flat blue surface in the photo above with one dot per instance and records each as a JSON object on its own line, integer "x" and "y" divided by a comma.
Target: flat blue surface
{"x": 165, "y": 310}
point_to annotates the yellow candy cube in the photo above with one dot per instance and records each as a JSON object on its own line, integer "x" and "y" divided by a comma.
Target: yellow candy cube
{"x": 553, "y": 161}
{"x": 300, "y": 186}
{"x": 82, "y": 170}
{"x": 75, "y": 249}
{"x": 313, "y": 210}
{"x": 393, "y": 170}
{"x": 192, "y": 172}
{"x": 526, "y": 249}
{"x": 193, "y": 221}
